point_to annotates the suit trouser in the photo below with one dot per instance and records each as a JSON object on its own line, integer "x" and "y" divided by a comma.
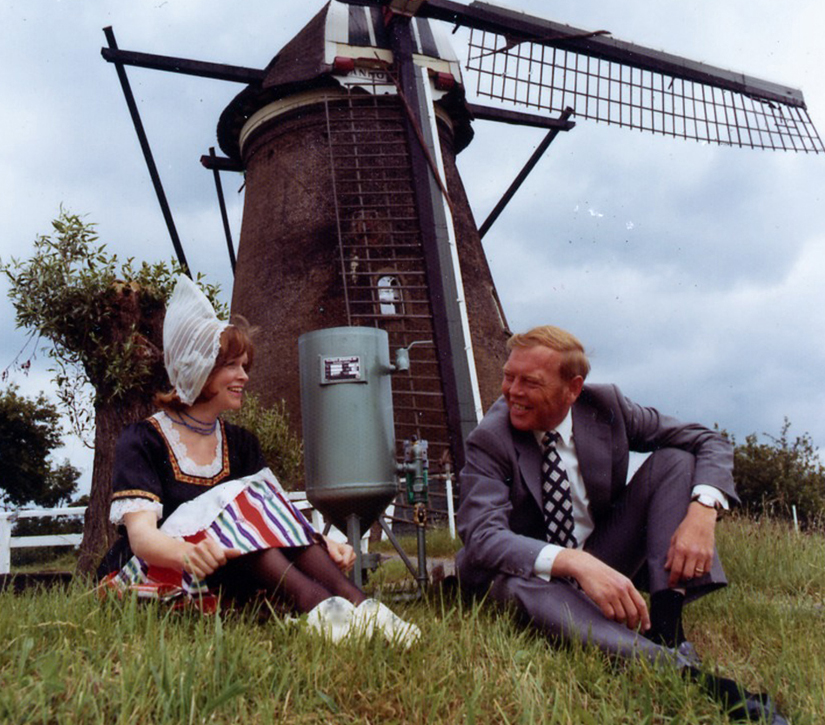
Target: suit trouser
{"x": 633, "y": 538}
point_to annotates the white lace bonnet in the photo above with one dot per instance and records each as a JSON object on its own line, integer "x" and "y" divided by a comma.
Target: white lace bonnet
{"x": 191, "y": 339}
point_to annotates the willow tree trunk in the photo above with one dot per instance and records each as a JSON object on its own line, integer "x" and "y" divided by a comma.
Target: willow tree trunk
{"x": 136, "y": 318}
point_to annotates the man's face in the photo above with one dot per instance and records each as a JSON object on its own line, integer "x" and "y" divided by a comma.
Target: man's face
{"x": 536, "y": 393}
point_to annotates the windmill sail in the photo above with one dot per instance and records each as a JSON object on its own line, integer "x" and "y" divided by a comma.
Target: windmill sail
{"x": 529, "y": 61}
{"x": 550, "y": 67}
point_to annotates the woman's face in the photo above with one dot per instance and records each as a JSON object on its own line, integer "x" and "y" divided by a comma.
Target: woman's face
{"x": 227, "y": 384}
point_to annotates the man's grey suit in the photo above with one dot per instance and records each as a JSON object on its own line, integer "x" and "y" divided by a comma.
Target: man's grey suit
{"x": 501, "y": 523}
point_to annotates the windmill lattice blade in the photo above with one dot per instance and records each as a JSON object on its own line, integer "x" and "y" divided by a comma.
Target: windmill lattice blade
{"x": 552, "y": 79}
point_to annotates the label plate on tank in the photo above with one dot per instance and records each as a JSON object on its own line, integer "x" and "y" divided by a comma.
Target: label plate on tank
{"x": 341, "y": 369}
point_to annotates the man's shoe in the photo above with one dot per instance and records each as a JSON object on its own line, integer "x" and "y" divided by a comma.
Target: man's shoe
{"x": 737, "y": 701}
{"x": 757, "y": 706}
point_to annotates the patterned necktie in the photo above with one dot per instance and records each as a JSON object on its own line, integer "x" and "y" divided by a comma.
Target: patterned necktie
{"x": 556, "y": 499}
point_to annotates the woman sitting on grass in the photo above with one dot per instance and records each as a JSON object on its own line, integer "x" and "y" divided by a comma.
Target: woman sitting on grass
{"x": 203, "y": 514}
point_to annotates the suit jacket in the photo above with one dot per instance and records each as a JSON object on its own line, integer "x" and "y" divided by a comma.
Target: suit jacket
{"x": 499, "y": 517}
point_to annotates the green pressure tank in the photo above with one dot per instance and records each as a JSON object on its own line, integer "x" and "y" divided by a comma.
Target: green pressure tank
{"x": 346, "y": 405}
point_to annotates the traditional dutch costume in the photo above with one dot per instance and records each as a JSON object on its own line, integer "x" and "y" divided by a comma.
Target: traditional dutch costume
{"x": 235, "y": 500}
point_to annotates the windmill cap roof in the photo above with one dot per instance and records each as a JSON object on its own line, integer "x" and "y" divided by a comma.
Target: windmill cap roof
{"x": 308, "y": 61}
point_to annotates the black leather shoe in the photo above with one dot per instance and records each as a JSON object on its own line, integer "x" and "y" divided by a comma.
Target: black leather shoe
{"x": 758, "y": 707}
{"x": 738, "y": 702}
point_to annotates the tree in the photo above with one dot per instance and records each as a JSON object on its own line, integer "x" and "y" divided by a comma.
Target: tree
{"x": 104, "y": 320}
{"x": 29, "y": 431}
{"x": 773, "y": 477}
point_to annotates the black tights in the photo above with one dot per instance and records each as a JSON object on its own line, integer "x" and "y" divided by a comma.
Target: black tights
{"x": 303, "y": 576}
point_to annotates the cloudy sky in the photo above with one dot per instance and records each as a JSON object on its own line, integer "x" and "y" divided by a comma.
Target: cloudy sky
{"x": 693, "y": 274}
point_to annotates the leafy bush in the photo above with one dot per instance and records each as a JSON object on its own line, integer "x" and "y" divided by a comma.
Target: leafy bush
{"x": 774, "y": 476}
{"x": 282, "y": 449}
{"x": 102, "y": 319}
{"x": 102, "y": 316}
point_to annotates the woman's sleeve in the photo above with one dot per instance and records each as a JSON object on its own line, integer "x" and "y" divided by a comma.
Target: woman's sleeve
{"x": 138, "y": 460}
{"x": 122, "y": 506}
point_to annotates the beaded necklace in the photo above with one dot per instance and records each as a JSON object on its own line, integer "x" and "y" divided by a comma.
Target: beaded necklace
{"x": 201, "y": 428}
{"x": 197, "y": 421}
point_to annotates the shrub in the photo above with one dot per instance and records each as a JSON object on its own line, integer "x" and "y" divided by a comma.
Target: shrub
{"x": 102, "y": 319}
{"x": 282, "y": 449}
{"x": 772, "y": 477}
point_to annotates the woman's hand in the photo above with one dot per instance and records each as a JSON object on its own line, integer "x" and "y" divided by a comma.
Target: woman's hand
{"x": 203, "y": 558}
{"x": 159, "y": 549}
{"x": 342, "y": 554}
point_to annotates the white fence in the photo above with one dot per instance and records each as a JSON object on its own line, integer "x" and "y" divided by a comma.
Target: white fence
{"x": 9, "y": 542}
{"x": 9, "y": 518}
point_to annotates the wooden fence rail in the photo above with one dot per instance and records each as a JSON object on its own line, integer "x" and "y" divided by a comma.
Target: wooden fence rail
{"x": 9, "y": 542}
{"x": 9, "y": 518}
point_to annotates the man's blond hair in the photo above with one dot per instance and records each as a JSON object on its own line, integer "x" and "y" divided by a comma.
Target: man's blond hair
{"x": 574, "y": 359}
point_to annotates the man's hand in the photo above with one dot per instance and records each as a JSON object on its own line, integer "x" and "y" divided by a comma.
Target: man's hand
{"x": 205, "y": 557}
{"x": 342, "y": 554}
{"x": 691, "y": 549}
{"x": 612, "y": 592}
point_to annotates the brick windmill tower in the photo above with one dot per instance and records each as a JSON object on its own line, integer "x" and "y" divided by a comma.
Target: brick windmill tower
{"x": 355, "y": 215}
{"x": 354, "y": 211}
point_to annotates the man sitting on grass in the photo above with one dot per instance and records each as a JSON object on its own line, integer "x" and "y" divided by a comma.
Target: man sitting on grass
{"x": 550, "y": 524}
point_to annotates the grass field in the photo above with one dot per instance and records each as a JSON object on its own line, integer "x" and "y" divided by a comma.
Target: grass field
{"x": 70, "y": 658}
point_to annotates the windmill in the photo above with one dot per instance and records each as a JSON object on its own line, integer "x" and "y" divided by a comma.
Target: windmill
{"x": 354, "y": 210}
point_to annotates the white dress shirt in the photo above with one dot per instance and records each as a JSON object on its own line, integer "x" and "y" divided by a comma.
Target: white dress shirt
{"x": 582, "y": 520}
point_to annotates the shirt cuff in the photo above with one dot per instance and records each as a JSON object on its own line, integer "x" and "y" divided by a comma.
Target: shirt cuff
{"x": 544, "y": 561}
{"x": 714, "y": 493}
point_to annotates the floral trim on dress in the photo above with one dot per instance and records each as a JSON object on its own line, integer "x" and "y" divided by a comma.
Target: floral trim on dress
{"x": 135, "y": 493}
{"x": 184, "y": 468}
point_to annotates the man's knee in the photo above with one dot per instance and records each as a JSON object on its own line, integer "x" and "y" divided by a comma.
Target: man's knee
{"x": 670, "y": 465}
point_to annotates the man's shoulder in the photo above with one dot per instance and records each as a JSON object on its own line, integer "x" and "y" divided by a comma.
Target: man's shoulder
{"x": 494, "y": 431}
{"x": 604, "y": 403}
{"x": 602, "y": 395}
{"x": 496, "y": 418}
